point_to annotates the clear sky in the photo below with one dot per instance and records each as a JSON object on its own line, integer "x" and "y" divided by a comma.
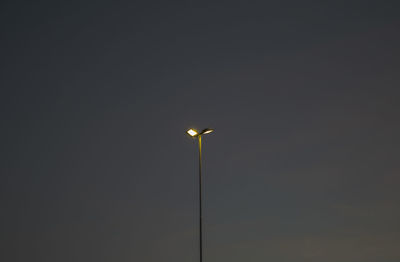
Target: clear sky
{"x": 96, "y": 96}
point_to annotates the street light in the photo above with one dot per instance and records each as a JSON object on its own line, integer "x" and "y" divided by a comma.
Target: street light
{"x": 194, "y": 133}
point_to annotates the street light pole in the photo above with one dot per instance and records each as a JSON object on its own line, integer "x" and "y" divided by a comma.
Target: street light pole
{"x": 200, "y": 204}
{"x": 194, "y": 133}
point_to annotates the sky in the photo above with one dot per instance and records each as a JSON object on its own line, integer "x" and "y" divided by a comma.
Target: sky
{"x": 96, "y": 97}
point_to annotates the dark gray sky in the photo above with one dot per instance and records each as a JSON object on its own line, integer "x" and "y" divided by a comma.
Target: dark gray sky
{"x": 96, "y": 97}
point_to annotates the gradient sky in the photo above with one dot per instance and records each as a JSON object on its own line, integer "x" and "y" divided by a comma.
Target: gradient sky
{"x": 303, "y": 164}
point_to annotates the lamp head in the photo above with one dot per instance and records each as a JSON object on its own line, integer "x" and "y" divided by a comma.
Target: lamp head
{"x": 206, "y": 131}
{"x": 192, "y": 132}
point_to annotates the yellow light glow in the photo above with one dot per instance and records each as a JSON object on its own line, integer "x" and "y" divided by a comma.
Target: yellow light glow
{"x": 192, "y": 132}
{"x": 208, "y": 131}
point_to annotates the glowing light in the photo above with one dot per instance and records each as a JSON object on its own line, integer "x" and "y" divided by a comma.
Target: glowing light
{"x": 192, "y": 132}
{"x": 207, "y": 131}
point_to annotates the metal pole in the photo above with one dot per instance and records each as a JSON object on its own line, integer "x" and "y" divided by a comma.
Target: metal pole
{"x": 200, "y": 205}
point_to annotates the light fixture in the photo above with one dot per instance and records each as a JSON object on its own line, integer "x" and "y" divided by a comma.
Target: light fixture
{"x": 192, "y": 132}
{"x": 206, "y": 131}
